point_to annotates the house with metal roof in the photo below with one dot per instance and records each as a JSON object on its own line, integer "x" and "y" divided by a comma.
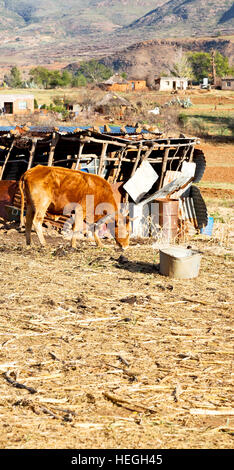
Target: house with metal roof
{"x": 16, "y": 103}
{"x": 227, "y": 83}
{"x": 171, "y": 83}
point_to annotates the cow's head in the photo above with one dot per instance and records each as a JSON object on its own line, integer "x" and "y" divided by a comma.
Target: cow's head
{"x": 122, "y": 231}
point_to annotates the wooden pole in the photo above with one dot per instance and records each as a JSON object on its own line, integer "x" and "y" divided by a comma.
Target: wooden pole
{"x": 6, "y": 159}
{"x": 213, "y": 67}
{"x": 100, "y": 141}
{"x": 32, "y": 152}
{"x": 191, "y": 154}
{"x": 79, "y": 156}
{"x": 119, "y": 166}
{"x": 136, "y": 161}
{"x": 55, "y": 139}
{"x": 134, "y": 169}
{"x": 102, "y": 158}
{"x": 164, "y": 166}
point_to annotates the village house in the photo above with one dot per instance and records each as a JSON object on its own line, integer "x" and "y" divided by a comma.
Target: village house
{"x": 171, "y": 83}
{"x": 16, "y": 104}
{"x": 113, "y": 103}
{"x": 227, "y": 83}
{"x": 118, "y": 83}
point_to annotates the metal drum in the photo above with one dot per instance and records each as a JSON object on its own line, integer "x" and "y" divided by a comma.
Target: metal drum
{"x": 168, "y": 218}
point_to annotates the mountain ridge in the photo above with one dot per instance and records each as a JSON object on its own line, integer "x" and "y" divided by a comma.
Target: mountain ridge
{"x": 142, "y": 59}
{"x": 188, "y": 15}
{"x": 50, "y": 31}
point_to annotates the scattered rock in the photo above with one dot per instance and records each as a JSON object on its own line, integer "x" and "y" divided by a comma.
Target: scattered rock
{"x": 132, "y": 299}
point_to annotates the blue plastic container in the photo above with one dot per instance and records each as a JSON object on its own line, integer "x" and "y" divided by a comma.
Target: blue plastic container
{"x": 209, "y": 227}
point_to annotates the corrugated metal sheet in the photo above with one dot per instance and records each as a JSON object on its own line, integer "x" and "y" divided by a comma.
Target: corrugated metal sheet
{"x": 71, "y": 129}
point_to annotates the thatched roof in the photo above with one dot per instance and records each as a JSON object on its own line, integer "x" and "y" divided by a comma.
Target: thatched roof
{"x": 116, "y": 78}
{"x": 112, "y": 99}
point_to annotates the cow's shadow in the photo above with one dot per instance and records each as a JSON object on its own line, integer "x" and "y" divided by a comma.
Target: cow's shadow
{"x": 139, "y": 266}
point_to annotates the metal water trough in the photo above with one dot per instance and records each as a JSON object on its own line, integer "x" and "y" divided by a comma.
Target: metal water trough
{"x": 179, "y": 263}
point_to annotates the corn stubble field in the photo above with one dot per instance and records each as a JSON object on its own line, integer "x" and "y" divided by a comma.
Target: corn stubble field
{"x": 110, "y": 353}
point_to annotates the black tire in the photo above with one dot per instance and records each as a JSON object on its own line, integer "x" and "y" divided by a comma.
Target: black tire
{"x": 199, "y": 207}
{"x": 199, "y": 159}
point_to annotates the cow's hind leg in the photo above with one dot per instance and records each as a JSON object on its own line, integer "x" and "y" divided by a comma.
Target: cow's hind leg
{"x": 28, "y": 225}
{"x": 38, "y": 221}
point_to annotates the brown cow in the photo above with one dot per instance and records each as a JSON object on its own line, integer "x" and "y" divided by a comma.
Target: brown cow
{"x": 55, "y": 188}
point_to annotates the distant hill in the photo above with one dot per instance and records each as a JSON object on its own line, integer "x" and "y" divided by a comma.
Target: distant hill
{"x": 71, "y": 16}
{"x": 187, "y": 17}
{"x": 57, "y": 31}
{"x": 153, "y": 56}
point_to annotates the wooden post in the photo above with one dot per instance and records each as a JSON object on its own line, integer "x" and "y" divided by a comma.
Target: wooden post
{"x": 137, "y": 160}
{"x": 79, "y": 156}
{"x": 6, "y": 159}
{"x": 134, "y": 169}
{"x": 191, "y": 154}
{"x": 102, "y": 158}
{"x": 119, "y": 166}
{"x": 213, "y": 67}
{"x": 164, "y": 166}
{"x": 32, "y": 152}
{"x": 148, "y": 153}
{"x": 55, "y": 139}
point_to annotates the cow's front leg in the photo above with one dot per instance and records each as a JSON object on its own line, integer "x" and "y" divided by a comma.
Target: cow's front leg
{"x": 97, "y": 239}
{"x": 78, "y": 225}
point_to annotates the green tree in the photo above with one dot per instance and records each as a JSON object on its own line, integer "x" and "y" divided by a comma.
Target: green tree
{"x": 95, "y": 71}
{"x": 201, "y": 63}
{"x": 66, "y": 78}
{"x": 222, "y": 65}
{"x": 50, "y": 78}
{"x": 40, "y": 76}
{"x": 14, "y": 79}
{"x": 55, "y": 79}
{"x": 79, "y": 80}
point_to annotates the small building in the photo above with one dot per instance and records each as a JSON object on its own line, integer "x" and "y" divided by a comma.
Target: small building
{"x": 112, "y": 102}
{"x": 171, "y": 83}
{"x": 118, "y": 83}
{"x": 16, "y": 104}
{"x": 73, "y": 107}
{"x": 227, "y": 83}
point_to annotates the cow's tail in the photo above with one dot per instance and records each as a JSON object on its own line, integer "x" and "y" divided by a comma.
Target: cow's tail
{"x": 21, "y": 188}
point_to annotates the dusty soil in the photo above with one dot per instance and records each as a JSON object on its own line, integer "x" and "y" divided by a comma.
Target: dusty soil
{"x": 219, "y": 174}
{"x": 219, "y": 161}
{"x": 227, "y": 194}
{"x": 114, "y": 355}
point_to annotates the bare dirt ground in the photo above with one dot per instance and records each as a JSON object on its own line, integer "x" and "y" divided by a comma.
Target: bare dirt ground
{"x": 220, "y": 162}
{"x": 114, "y": 355}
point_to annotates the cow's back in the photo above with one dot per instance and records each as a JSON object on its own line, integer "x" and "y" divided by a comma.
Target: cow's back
{"x": 64, "y": 186}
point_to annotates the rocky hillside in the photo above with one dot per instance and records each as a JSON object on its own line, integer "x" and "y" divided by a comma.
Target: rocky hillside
{"x": 153, "y": 56}
{"x": 186, "y": 17}
{"x": 54, "y": 31}
{"x": 71, "y": 17}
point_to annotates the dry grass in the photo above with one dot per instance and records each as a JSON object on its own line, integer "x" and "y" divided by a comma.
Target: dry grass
{"x": 119, "y": 356}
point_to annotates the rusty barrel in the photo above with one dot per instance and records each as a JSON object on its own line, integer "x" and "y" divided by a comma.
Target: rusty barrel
{"x": 168, "y": 218}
